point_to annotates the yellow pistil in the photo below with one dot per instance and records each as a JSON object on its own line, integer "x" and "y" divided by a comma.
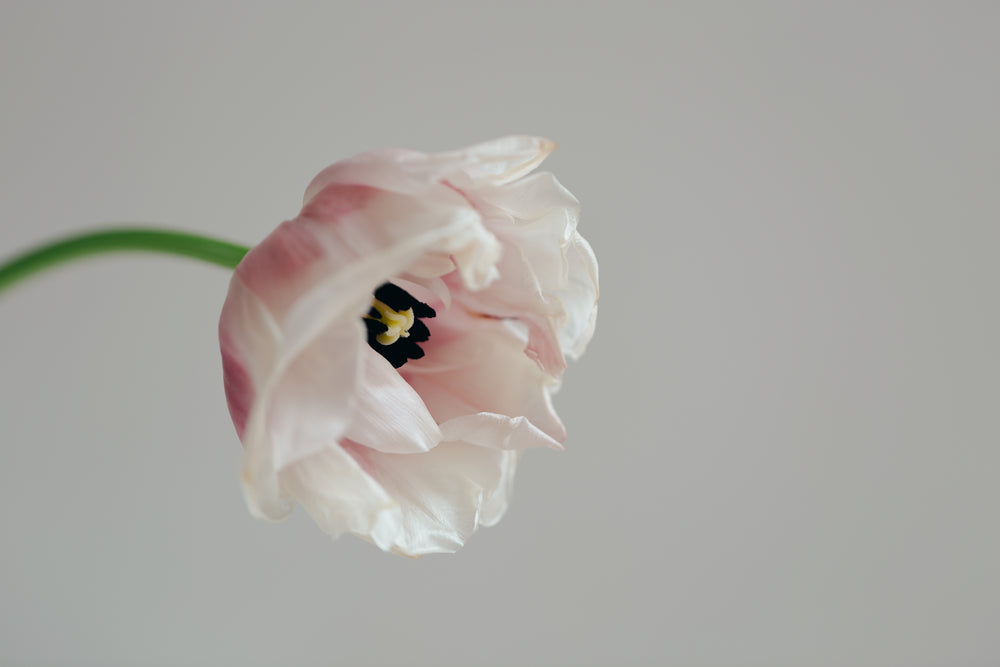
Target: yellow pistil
{"x": 397, "y": 321}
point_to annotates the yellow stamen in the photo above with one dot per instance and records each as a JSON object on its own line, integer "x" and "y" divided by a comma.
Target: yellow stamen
{"x": 397, "y": 321}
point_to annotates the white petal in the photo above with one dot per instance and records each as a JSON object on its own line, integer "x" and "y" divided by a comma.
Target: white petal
{"x": 497, "y": 502}
{"x": 389, "y": 415}
{"x": 443, "y": 495}
{"x": 579, "y": 297}
{"x": 341, "y": 497}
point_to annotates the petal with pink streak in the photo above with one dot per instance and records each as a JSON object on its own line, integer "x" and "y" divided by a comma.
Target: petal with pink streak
{"x": 249, "y": 339}
{"x": 365, "y": 248}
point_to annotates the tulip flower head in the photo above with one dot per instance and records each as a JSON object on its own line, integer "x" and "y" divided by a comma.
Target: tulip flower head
{"x": 390, "y": 352}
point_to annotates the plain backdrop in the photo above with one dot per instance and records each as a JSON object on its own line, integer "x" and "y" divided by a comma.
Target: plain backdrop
{"x": 783, "y": 441}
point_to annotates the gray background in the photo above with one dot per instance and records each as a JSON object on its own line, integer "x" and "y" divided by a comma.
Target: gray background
{"x": 783, "y": 441}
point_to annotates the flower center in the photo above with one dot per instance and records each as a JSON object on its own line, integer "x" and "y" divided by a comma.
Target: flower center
{"x": 394, "y": 326}
{"x": 397, "y": 323}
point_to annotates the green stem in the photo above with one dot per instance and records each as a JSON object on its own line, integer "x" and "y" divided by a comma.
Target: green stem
{"x": 118, "y": 240}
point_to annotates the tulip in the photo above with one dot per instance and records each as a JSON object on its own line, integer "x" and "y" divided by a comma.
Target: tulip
{"x": 390, "y": 352}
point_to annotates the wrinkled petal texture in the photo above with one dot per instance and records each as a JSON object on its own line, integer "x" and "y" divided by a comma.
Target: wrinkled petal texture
{"x": 413, "y": 459}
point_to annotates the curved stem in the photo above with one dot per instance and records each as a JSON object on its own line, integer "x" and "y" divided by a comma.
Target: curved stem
{"x": 119, "y": 240}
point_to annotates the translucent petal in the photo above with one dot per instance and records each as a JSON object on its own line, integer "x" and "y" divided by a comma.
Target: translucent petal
{"x": 389, "y": 415}
{"x": 441, "y": 495}
{"x": 341, "y": 496}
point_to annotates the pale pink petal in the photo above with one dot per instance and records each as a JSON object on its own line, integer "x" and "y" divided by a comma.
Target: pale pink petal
{"x": 517, "y": 295}
{"x": 475, "y": 369}
{"x": 341, "y": 497}
{"x": 384, "y": 238}
{"x": 277, "y": 433}
{"x": 432, "y": 291}
{"x": 502, "y": 160}
{"x": 353, "y": 238}
{"x": 443, "y": 495}
{"x": 389, "y": 415}
{"x": 390, "y": 169}
{"x": 300, "y": 411}
{"x": 499, "y": 161}
{"x": 538, "y": 216}
{"x": 495, "y": 505}
{"x": 294, "y": 256}
{"x": 248, "y": 337}
{"x": 487, "y": 429}
{"x": 412, "y": 504}
{"x": 548, "y": 273}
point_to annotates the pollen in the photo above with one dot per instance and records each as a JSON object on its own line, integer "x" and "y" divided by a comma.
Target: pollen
{"x": 397, "y": 322}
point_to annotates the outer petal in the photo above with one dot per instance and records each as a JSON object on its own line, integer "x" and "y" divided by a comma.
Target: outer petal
{"x": 487, "y": 429}
{"x": 502, "y": 160}
{"x": 579, "y": 297}
{"x": 248, "y": 337}
{"x": 341, "y": 497}
{"x": 443, "y": 496}
{"x": 495, "y": 504}
{"x": 548, "y": 271}
{"x": 499, "y": 161}
{"x": 410, "y": 504}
